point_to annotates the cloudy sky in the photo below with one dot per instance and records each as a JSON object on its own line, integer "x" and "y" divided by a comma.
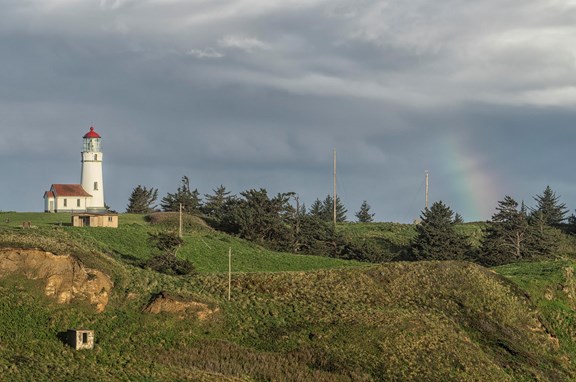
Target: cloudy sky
{"x": 258, "y": 93}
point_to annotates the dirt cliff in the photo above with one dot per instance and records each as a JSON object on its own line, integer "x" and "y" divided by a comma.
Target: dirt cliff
{"x": 66, "y": 278}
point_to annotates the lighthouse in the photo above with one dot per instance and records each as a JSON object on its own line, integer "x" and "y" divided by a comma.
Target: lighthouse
{"x": 88, "y": 196}
{"x": 91, "y": 178}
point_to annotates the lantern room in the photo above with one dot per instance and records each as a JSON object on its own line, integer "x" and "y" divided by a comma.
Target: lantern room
{"x": 92, "y": 142}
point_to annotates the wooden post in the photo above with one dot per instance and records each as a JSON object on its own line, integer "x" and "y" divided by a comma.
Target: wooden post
{"x": 229, "y": 272}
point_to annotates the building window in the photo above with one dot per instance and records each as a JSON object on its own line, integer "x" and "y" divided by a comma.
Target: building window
{"x": 95, "y": 156}
{"x": 95, "y": 186}
{"x": 110, "y": 219}
{"x": 65, "y": 202}
{"x": 77, "y": 202}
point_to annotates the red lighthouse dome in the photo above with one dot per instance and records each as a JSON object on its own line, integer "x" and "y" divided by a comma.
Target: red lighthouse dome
{"x": 92, "y": 134}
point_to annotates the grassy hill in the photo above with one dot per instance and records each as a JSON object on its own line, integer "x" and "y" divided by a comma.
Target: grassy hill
{"x": 205, "y": 248}
{"x": 293, "y": 318}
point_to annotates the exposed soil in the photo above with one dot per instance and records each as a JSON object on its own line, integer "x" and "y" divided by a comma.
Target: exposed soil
{"x": 165, "y": 303}
{"x": 66, "y": 278}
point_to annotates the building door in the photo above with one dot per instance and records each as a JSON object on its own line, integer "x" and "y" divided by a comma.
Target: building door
{"x": 85, "y": 221}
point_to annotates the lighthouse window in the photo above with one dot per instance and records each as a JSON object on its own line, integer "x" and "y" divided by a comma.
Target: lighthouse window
{"x": 95, "y": 186}
{"x": 95, "y": 156}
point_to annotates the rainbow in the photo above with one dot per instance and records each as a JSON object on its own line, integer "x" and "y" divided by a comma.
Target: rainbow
{"x": 475, "y": 188}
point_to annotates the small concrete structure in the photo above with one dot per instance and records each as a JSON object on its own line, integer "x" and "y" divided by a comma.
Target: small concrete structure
{"x": 80, "y": 339}
{"x": 95, "y": 220}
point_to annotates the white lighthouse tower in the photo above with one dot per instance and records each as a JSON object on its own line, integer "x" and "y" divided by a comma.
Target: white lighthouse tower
{"x": 91, "y": 178}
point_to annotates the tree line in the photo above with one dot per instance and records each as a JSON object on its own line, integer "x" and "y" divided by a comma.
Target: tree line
{"x": 280, "y": 222}
{"x": 514, "y": 233}
{"x": 143, "y": 200}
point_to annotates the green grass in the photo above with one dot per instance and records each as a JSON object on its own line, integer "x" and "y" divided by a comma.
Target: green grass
{"x": 206, "y": 249}
{"x": 15, "y": 219}
{"x": 395, "y": 233}
{"x": 292, "y": 318}
{"x": 552, "y": 289}
{"x": 39, "y": 219}
{"x": 446, "y": 321}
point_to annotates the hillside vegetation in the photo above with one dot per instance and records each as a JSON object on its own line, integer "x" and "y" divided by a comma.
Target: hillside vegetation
{"x": 293, "y": 318}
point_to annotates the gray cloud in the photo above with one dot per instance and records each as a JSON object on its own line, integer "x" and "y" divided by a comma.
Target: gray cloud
{"x": 257, "y": 93}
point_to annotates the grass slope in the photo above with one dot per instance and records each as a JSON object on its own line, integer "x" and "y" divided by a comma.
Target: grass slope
{"x": 403, "y": 321}
{"x": 205, "y": 248}
{"x": 448, "y": 321}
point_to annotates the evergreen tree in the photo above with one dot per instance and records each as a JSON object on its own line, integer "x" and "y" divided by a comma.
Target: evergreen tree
{"x": 458, "y": 219}
{"x": 436, "y": 238}
{"x": 190, "y": 200}
{"x": 364, "y": 215}
{"x": 324, "y": 210}
{"x": 317, "y": 210}
{"x": 316, "y": 237}
{"x": 215, "y": 205}
{"x": 341, "y": 211}
{"x": 142, "y": 200}
{"x": 509, "y": 235}
{"x": 571, "y": 223}
{"x": 548, "y": 204}
{"x": 545, "y": 239}
{"x": 262, "y": 219}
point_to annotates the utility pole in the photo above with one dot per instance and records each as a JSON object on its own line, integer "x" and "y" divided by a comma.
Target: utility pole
{"x": 334, "y": 201}
{"x": 297, "y": 230}
{"x": 426, "y": 189}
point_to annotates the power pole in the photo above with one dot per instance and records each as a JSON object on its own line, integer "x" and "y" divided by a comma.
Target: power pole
{"x": 297, "y": 235}
{"x": 426, "y": 189}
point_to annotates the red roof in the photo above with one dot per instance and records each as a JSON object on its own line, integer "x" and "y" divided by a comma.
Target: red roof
{"x": 48, "y": 194}
{"x": 68, "y": 190}
{"x": 91, "y": 134}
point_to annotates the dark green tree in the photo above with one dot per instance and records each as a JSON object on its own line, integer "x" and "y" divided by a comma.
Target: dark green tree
{"x": 317, "y": 210}
{"x": 142, "y": 200}
{"x": 458, "y": 219}
{"x": 317, "y": 237}
{"x": 259, "y": 218}
{"x": 545, "y": 239}
{"x": 325, "y": 209}
{"x": 510, "y": 237}
{"x": 548, "y": 204}
{"x": 363, "y": 215}
{"x": 571, "y": 223}
{"x": 190, "y": 200}
{"x": 436, "y": 238}
{"x": 215, "y": 205}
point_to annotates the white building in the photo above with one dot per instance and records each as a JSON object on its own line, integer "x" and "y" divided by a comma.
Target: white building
{"x": 88, "y": 196}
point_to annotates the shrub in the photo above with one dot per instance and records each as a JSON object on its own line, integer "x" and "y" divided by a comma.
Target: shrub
{"x": 171, "y": 265}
